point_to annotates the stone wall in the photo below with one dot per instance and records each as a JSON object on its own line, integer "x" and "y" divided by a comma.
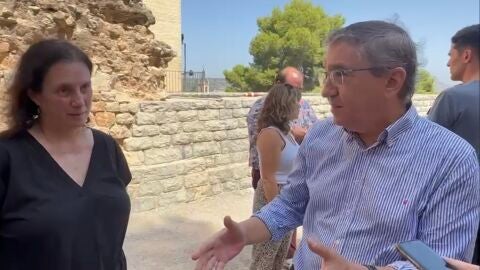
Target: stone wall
{"x": 187, "y": 148}
{"x": 114, "y": 33}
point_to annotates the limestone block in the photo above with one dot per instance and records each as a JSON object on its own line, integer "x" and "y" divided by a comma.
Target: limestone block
{"x": 215, "y": 104}
{"x": 187, "y": 116}
{"x": 170, "y": 129}
{"x": 234, "y": 146}
{"x": 196, "y": 180}
{"x": 98, "y": 106}
{"x": 205, "y": 149}
{"x": 220, "y": 135}
{"x": 134, "y": 158}
{"x": 120, "y": 132}
{"x": 143, "y": 118}
{"x": 239, "y": 133}
{"x": 248, "y": 102}
{"x": 231, "y": 186}
{"x": 112, "y": 106}
{"x": 196, "y": 165}
{"x": 129, "y": 107}
{"x": 166, "y": 199}
{"x": 226, "y": 114}
{"x": 105, "y": 119}
{"x": 165, "y": 117}
{"x": 220, "y": 175}
{"x": 204, "y": 115}
{"x": 150, "y": 189}
{"x": 202, "y": 136}
{"x": 124, "y": 119}
{"x": 145, "y": 130}
{"x": 162, "y": 155}
{"x": 182, "y": 138}
{"x": 233, "y": 103}
{"x": 237, "y": 113}
{"x": 242, "y": 123}
{"x": 161, "y": 141}
{"x": 138, "y": 143}
{"x": 193, "y": 126}
{"x": 151, "y": 107}
{"x": 220, "y": 125}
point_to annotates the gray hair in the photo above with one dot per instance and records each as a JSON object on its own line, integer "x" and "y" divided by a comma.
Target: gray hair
{"x": 383, "y": 44}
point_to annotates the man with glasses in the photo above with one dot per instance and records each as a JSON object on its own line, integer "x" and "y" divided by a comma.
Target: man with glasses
{"x": 374, "y": 175}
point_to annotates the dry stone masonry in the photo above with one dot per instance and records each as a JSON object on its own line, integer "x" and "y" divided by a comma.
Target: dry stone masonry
{"x": 179, "y": 149}
{"x": 185, "y": 149}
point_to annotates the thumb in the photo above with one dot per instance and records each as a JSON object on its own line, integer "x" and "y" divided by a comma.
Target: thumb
{"x": 321, "y": 250}
{"x": 228, "y": 222}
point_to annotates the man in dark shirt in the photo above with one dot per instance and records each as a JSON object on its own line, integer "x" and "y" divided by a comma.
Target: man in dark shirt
{"x": 458, "y": 108}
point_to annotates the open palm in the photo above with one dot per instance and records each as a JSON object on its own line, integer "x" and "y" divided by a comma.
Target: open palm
{"x": 221, "y": 248}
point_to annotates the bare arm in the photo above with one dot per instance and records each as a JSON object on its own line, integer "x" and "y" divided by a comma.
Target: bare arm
{"x": 269, "y": 147}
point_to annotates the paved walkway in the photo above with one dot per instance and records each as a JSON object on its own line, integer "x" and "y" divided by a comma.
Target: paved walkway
{"x": 165, "y": 239}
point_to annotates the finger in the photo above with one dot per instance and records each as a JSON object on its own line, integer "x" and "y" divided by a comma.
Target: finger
{"x": 203, "y": 260}
{"x": 321, "y": 250}
{"x": 202, "y": 250}
{"x": 220, "y": 266}
{"x": 228, "y": 222}
{"x": 211, "y": 263}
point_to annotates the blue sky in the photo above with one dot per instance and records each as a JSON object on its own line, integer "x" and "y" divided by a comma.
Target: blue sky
{"x": 218, "y": 32}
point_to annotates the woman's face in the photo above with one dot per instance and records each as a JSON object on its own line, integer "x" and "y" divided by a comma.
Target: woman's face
{"x": 66, "y": 95}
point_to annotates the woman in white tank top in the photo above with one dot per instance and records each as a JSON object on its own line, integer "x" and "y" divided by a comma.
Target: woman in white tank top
{"x": 277, "y": 150}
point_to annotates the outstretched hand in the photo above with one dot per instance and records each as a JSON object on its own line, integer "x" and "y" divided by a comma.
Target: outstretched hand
{"x": 221, "y": 247}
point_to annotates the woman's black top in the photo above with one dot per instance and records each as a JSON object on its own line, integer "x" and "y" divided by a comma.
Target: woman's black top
{"x": 48, "y": 221}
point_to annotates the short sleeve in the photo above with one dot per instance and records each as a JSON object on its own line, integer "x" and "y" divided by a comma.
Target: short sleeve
{"x": 122, "y": 165}
{"x": 4, "y": 172}
{"x": 443, "y": 110}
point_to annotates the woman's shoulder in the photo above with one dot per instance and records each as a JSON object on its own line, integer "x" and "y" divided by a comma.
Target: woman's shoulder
{"x": 12, "y": 139}
{"x": 101, "y": 135}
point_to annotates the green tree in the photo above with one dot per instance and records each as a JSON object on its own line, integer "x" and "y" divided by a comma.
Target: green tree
{"x": 425, "y": 82}
{"x": 290, "y": 37}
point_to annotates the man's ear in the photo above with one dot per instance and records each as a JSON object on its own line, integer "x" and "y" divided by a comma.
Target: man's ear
{"x": 395, "y": 81}
{"x": 467, "y": 55}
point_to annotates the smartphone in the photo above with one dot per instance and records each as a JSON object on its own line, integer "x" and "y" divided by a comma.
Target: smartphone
{"x": 422, "y": 256}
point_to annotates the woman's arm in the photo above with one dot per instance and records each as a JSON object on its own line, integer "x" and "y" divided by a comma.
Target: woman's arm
{"x": 269, "y": 147}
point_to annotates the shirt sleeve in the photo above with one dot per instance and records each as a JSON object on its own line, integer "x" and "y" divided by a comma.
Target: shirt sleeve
{"x": 286, "y": 211}
{"x": 122, "y": 165}
{"x": 443, "y": 110}
{"x": 4, "y": 167}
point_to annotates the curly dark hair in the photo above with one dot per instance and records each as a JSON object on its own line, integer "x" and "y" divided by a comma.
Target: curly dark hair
{"x": 279, "y": 104}
{"x": 31, "y": 71}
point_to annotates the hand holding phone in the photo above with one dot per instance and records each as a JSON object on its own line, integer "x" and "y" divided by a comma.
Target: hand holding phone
{"x": 422, "y": 256}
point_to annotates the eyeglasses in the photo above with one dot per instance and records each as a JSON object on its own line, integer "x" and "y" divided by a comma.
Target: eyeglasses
{"x": 336, "y": 76}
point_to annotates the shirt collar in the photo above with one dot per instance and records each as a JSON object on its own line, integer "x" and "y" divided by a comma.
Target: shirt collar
{"x": 392, "y": 132}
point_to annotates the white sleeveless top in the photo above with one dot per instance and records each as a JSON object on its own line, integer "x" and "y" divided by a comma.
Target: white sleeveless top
{"x": 288, "y": 155}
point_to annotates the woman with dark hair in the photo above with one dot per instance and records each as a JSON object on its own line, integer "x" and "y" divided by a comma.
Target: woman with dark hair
{"x": 63, "y": 199}
{"x": 277, "y": 149}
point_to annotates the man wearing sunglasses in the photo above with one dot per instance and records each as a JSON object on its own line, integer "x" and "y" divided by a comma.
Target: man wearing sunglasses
{"x": 373, "y": 175}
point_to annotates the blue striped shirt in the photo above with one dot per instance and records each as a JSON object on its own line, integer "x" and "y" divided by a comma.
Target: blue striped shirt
{"x": 418, "y": 181}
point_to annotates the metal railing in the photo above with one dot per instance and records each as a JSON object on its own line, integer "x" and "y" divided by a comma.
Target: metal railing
{"x": 190, "y": 81}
